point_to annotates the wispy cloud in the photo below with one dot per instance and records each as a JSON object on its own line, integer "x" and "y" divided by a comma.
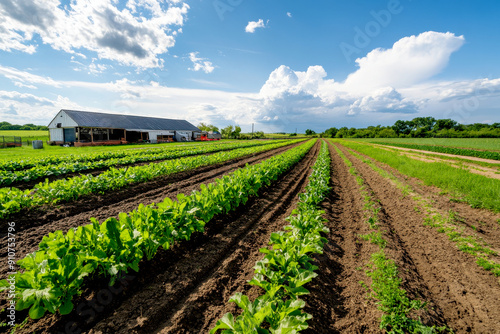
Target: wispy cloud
{"x": 200, "y": 64}
{"x": 211, "y": 83}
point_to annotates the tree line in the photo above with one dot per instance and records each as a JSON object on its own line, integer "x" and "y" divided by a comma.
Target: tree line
{"x": 8, "y": 126}
{"x": 420, "y": 127}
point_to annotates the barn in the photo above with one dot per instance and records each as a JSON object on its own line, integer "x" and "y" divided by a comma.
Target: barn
{"x": 85, "y": 128}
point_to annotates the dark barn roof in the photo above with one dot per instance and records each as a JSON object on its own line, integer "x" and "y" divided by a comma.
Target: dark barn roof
{"x": 114, "y": 121}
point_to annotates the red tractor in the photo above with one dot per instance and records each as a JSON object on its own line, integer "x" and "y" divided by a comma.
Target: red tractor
{"x": 209, "y": 136}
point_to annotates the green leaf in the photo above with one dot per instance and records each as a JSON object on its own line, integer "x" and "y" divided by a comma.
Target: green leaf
{"x": 36, "y": 311}
{"x": 226, "y": 322}
{"x": 66, "y": 307}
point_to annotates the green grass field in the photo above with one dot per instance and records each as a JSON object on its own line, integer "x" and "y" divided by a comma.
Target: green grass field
{"x": 489, "y": 144}
{"x": 25, "y": 134}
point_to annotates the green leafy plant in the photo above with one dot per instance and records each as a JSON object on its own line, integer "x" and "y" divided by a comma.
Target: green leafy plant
{"x": 50, "y": 193}
{"x": 54, "y": 274}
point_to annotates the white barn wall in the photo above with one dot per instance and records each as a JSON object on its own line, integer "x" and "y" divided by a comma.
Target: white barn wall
{"x": 64, "y": 119}
{"x": 153, "y": 135}
{"x": 56, "y": 134}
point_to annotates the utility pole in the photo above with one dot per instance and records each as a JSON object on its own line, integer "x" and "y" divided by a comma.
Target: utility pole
{"x": 252, "y": 130}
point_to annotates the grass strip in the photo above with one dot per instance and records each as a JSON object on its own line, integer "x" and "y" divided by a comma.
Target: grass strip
{"x": 456, "y": 160}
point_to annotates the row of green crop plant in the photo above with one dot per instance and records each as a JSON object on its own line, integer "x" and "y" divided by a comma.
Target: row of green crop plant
{"x": 287, "y": 267}
{"x": 54, "y": 274}
{"x": 31, "y": 162}
{"x": 449, "y": 223}
{"x": 8, "y": 177}
{"x": 446, "y": 149}
{"x": 477, "y": 190}
{"x": 13, "y": 200}
{"x": 385, "y": 283}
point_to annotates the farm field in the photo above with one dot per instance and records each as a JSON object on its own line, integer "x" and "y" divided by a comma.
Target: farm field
{"x": 48, "y": 150}
{"x": 486, "y": 167}
{"x": 407, "y": 237}
{"x": 491, "y": 144}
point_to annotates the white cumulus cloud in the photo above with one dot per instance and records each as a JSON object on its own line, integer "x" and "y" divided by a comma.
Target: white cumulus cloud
{"x": 252, "y": 25}
{"x": 289, "y": 98}
{"x": 410, "y": 61}
{"x": 135, "y": 35}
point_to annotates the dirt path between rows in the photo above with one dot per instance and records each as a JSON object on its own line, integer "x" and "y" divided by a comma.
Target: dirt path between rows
{"x": 465, "y": 296}
{"x": 186, "y": 289}
{"x": 337, "y": 301}
{"x": 31, "y": 226}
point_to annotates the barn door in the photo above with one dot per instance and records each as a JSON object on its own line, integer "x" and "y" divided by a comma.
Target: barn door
{"x": 69, "y": 135}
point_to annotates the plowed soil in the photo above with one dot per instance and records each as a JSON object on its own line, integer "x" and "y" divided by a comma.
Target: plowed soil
{"x": 186, "y": 289}
{"x": 463, "y": 296}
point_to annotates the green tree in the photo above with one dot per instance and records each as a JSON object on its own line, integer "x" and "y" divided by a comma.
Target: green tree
{"x": 402, "y": 127}
{"x": 342, "y": 133}
{"x": 310, "y": 132}
{"x": 259, "y": 134}
{"x": 444, "y": 124}
{"x": 387, "y": 133}
{"x": 236, "y": 132}
{"x": 207, "y": 127}
{"x": 227, "y": 131}
{"x": 331, "y": 132}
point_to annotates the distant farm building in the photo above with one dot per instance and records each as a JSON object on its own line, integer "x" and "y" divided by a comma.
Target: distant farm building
{"x": 84, "y": 128}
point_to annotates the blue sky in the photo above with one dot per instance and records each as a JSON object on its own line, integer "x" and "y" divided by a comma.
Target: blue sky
{"x": 278, "y": 64}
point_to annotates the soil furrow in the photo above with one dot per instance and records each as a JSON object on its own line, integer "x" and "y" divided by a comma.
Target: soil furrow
{"x": 31, "y": 227}
{"x": 337, "y": 301}
{"x": 466, "y": 295}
